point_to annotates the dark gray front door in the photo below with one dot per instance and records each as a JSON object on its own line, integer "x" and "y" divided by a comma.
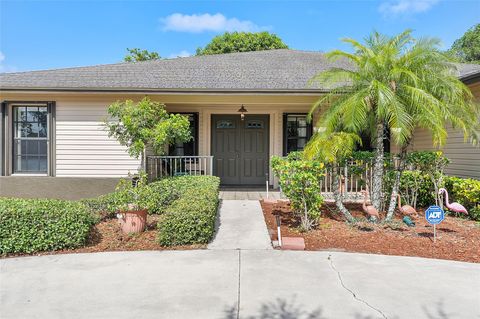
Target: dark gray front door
{"x": 240, "y": 149}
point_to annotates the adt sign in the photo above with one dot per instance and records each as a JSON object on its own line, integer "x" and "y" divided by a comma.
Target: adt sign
{"x": 434, "y": 215}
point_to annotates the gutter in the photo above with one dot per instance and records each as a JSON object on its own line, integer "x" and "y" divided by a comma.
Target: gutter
{"x": 165, "y": 91}
{"x": 471, "y": 78}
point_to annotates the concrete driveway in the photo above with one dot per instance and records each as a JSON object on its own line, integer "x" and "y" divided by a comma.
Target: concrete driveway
{"x": 237, "y": 284}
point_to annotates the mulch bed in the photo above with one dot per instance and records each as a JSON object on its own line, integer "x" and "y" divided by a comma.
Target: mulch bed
{"x": 457, "y": 239}
{"x": 107, "y": 236}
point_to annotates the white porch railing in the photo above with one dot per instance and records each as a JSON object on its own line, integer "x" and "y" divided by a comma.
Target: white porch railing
{"x": 164, "y": 166}
{"x": 355, "y": 177}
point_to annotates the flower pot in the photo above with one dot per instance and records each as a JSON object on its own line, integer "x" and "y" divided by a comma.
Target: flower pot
{"x": 133, "y": 221}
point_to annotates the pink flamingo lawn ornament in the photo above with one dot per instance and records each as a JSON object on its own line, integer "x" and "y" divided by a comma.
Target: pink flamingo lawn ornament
{"x": 454, "y": 207}
{"x": 369, "y": 209}
{"x": 406, "y": 210}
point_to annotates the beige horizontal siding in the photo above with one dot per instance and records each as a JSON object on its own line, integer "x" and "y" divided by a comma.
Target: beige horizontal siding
{"x": 83, "y": 147}
{"x": 464, "y": 157}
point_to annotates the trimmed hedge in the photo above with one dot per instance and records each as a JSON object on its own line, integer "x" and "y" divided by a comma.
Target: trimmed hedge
{"x": 466, "y": 192}
{"x": 190, "y": 219}
{"x": 32, "y": 225}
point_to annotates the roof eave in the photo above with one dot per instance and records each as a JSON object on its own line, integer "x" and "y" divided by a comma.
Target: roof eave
{"x": 471, "y": 78}
{"x": 163, "y": 91}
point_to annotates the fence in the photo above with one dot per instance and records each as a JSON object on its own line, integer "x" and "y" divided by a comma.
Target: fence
{"x": 355, "y": 177}
{"x": 164, "y": 166}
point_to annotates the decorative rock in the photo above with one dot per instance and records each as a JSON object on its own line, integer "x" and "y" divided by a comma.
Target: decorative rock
{"x": 293, "y": 243}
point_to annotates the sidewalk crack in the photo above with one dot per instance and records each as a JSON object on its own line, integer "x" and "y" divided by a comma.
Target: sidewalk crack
{"x": 351, "y": 291}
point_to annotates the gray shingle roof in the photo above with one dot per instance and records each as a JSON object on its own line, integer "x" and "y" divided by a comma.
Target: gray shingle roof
{"x": 277, "y": 70}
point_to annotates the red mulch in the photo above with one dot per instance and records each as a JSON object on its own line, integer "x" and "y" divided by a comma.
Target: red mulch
{"x": 107, "y": 236}
{"x": 457, "y": 239}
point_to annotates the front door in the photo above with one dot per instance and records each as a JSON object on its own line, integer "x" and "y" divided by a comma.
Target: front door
{"x": 240, "y": 149}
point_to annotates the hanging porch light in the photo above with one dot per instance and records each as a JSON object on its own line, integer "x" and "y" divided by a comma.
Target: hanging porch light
{"x": 242, "y": 112}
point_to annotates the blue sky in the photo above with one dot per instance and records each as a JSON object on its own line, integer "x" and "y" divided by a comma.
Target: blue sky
{"x": 40, "y": 34}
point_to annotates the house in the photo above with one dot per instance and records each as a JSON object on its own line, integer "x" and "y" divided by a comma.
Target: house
{"x": 53, "y": 142}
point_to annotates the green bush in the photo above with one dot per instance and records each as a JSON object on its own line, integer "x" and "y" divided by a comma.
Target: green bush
{"x": 104, "y": 206}
{"x": 190, "y": 219}
{"x": 416, "y": 189}
{"x": 154, "y": 197}
{"x": 300, "y": 182}
{"x": 465, "y": 192}
{"x": 32, "y": 225}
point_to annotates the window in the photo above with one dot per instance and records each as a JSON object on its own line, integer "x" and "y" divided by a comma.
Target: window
{"x": 30, "y": 137}
{"x": 27, "y": 138}
{"x": 255, "y": 124}
{"x": 225, "y": 124}
{"x": 191, "y": 147}
{"x": 296, "y": 132}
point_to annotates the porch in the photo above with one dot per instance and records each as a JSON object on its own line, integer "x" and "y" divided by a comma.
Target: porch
{"x": 356, "y": 175}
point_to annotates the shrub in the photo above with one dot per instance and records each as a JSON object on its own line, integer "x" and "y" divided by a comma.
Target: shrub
{"x": 103, "y": 206}
{"x": 154, "y": 197}
{"x": 190, "y": 219}
{"x": 466, "y": 192}
{"x": 300, "y": 182}
{"x": 432, "y": 164}
{"x": 32, "y": 225}
{"x": 416, "y": 188}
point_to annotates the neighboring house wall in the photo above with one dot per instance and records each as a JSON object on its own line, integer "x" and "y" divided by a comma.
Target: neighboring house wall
{"x": 465, "y": 158}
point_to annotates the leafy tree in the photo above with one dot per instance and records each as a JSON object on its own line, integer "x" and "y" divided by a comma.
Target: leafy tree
{"x": 397, "y": 83}
{"x": 146, "y": 124}
{"x": 242, "y": 42}
{"x": 467, "y": 48}
{"x": 135, "y": 55}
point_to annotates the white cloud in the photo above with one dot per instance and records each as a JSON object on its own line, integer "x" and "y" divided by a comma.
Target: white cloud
{"x": 2, "y": 56}
{"x": 395, "y": 7}
{"x": 196, "y": 23}
{"x": 181, "y": 54}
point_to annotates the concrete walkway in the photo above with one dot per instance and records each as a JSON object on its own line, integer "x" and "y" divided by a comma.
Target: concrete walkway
{"x": 241, "y": 226}
{"x": 232, "y": 284}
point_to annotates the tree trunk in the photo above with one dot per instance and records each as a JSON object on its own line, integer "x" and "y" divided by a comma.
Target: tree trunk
{"x": 337, "y": 196}
{"x": 396, "y": 183}
{"x": 376, "y": 196}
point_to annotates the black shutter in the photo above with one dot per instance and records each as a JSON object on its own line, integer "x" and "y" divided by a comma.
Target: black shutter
{"x": 3, "y": 134}
{"x": 309, "y": 129}
{"x": 284, "y": 130}
{"x": 195, "y": 134}
{"x": 51, "y": 138}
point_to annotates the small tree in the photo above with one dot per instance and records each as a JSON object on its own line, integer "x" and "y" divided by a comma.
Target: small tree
{"x": 300, "y": 181}
{"x": 242, "y": 42}
{"x": 136, "y": 54}
{"x": 145, "y": 124}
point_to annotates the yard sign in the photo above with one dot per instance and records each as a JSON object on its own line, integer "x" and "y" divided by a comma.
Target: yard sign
{"x": 434, "y": 215}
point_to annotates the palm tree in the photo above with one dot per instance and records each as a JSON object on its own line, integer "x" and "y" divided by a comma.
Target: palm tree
{"x": 333, "y": 149}
{"x": 396, "y": 85}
